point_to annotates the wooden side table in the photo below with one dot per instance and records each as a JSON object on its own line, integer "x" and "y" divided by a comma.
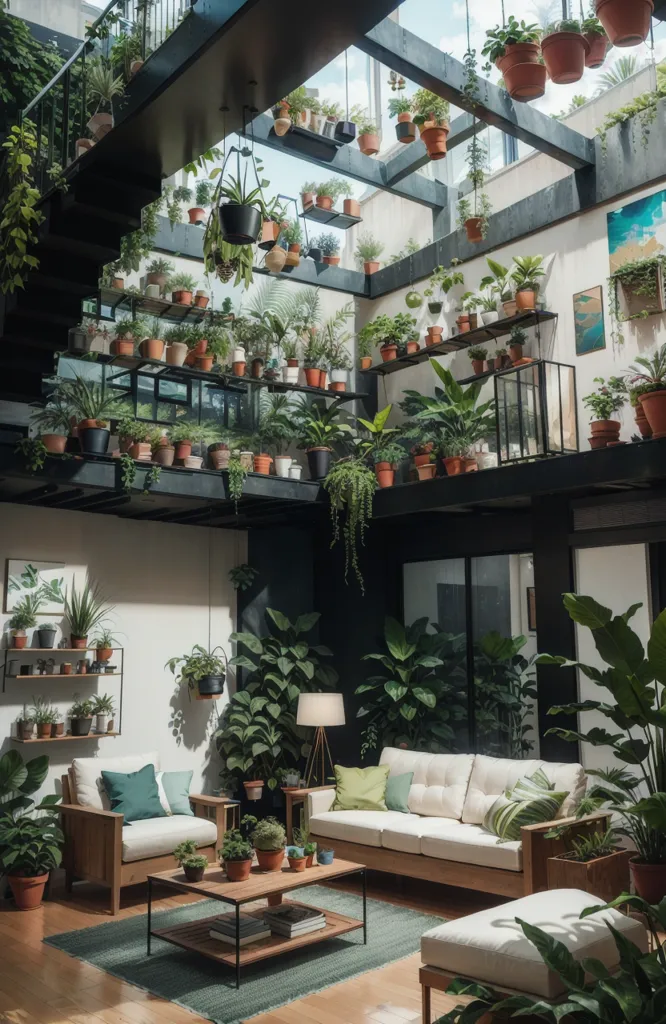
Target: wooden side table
{"x": 293, "y": 797}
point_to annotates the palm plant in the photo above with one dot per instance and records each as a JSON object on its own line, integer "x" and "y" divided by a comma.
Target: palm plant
{"x": 88, "y": 400}
{"x": 619, "y": 72}
{"x": 85, "y": 609}
{"x": 101, "y": 82}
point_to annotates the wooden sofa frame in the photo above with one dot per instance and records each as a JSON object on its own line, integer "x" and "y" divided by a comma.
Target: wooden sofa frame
{"x": 93, "y": 842}
{"x": 536, "y": 851}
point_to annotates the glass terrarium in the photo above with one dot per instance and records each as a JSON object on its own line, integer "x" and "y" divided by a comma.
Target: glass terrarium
{"x": 536, "y": 411}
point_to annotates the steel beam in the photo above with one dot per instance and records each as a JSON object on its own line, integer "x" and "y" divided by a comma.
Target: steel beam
{"x": 426, "y": 65}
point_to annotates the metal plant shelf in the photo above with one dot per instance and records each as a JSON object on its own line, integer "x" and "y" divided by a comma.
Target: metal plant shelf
{"x": 163, "y": 309}
{"x": 332, "y": 218}
{"x": 489, "y": 332}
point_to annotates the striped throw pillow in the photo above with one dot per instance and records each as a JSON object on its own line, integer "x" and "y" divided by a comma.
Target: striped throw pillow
{"x": 530, "y": 802}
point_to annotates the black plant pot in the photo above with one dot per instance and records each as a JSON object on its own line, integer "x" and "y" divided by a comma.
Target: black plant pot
{"x": 315, "y": 254}
{"x": 240, "y": 225}
{"x": 345, "y": 131}
{"x": 94, "y": 440}
{"x": 210, "y": 686}
{"x": 319, "y": 461}
{"x": 405, "y": 131}
{"x": 81, "y": 726}
{"x": 46, "y": 637}
{"x": 435, "y": 307}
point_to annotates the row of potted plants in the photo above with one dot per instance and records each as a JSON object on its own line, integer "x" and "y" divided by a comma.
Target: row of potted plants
{"x": 644, "y": 386}
{"x": 298, "y": 109}
{"x": 44, "y": 721}
{"x": 86, "y": 613}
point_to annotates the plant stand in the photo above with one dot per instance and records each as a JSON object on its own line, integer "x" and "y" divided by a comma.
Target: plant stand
{"x": 604, "y": 877}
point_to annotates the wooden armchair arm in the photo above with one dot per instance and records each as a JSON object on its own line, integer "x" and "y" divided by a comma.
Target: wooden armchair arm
{"x": 537, "y": 849}
{"x": 77, "y": 810}
{"x": 203, "y": 800}
{"x": 300, "y": 794}
{"x": 93, "y": 844}
{"x": 214, "y": 808}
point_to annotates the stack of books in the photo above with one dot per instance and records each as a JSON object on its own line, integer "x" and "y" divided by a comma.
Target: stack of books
{"x": 290, "y": 921}
{"x": 251, "y": 929}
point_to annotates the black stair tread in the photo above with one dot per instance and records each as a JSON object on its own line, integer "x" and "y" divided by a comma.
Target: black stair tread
{"x": 128, "y": 221}
{"x": 111, "y": 182}
{"x": 63, "y": 283}
{"x": 40, "y": 316}
{"x": 91, "y": 250}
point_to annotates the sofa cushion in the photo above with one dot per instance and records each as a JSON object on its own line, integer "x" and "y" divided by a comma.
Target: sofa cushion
{"x": 134, "y": 794}
{"x": 493, "y": 775}
{"x": 87, "y": 776}
{"x": 397, "y": 792}
{"x": 490, "y": 946}
{"x": 355, "y": 826}
{"x": 471, "y": 844}
{"x": 440, "y": 780}
{"x": 530, "y": 802}
{"x": 174, "y": 790}
{"x": 405, "y": 836}
{"x": 360, "y": 789}
{"x": 156, "y": 837}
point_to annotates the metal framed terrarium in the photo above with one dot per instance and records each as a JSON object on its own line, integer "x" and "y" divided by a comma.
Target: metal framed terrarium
{"x": 536, "y": 411}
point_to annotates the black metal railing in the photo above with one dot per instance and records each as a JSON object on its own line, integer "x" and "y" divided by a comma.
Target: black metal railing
{"x": 81, "y": 103}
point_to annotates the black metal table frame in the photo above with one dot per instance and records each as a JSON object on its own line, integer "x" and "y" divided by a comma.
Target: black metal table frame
{"x": 222, "y": 899}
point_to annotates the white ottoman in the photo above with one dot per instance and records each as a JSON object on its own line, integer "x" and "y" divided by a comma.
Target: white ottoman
{"x": 490, "y": 946}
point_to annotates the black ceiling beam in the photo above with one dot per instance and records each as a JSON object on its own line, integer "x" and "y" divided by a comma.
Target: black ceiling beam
{"x": 34, "y": 494}
{"x": 59, "y": 497}
{"x": 426, "y": 65}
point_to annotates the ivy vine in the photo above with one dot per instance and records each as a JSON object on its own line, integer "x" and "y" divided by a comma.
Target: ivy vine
{"x": 20, "y": 217}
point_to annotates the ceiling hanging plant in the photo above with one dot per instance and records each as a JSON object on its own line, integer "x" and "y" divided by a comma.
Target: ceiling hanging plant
{"x": 432, "y": 117}
{"x": 473, "y": 215}
{"x": 514, "y": 48}
{"x": 627, "y": 24}
{"x": 345, "y": 131}
{"x": 594, "y": 34}
{"x": 351, "y": 486}
{"x": 564, "y": 49}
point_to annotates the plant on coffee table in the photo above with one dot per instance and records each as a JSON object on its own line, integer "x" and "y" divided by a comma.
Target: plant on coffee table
{"x": 269, "y": 840}
{"x": 236, "y": 854}
{"x": 193, "y": 864}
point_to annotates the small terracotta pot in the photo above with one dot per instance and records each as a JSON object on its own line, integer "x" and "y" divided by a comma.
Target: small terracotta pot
{"x": 477, "y": 366}
{"x": 369, "y": 143}
{"x": 201, "y": 301}
{"x": 270, "y": 860}
{"x": 470, "y": 465}
{"x": 421, "y": 460}
{"x": 197, "y": 215}
{"x": 193, "y": 461}
{"x": 27, "y": 892}
{"x": 183, "y": 449}
{"x": 642, "y": 421}
{"x": 526, "y": 299}
{"x": 122, "y": 347}
{"x": 598, "y": 49}
{"x": 365, "y": 362}
{"x": 205, "y": 363}
{"x": 219, "y": 458}
{"x": 323, "y": 374}
{"x": 515, "y": 54}
{"x": 54, "y": 443}
{"x": 473, "y": 229}
{"x": 118, "y": 283}
{"x": 426, "y": 472}
{"x": 309, "y": 860}
{"x": 78, "y": 643}
{"x": 270, "y": 230}
{"x": 385, "y": 474}
{"x": 297, "y": 863}
{"x": 182, "y": 296}
{"x": 626, "y": 24}
{"x": 239, "y": 369}
{"x": 294, "y": 247}
{"x": 19, "y": 640}
{"x": 516, "y": 351}
{"x": 104, "y": 653}
{"x": 44, "y": 730}
{"x": 510, "y": 308}
{"x": 176, "y": 353}
{"x": 654, "y": 407}
{"x": 156, "y": 278}
{"x": 276, "y": 259}
{"x": 307, "y": 199}
{"x": 454, "y": 465}
{"x": 605, "y": 432}
{"x": 164, "y": 455}
{"x": 312, "y": 376}
{"x": 282, "y": 125}
{"x": 262, "y": 464}
{"x": 325, "y": 202}
{"x": 389, "y": 352}
{"x": 351, "y": 207}
{"x": 434, "y": 335}
{"x": 564, "y": 54}
{"x": 412, "y": 347}
{"x": 371, "y": 266}
{"x": 140, "y": 451}
{"x": 237, "y": 870}
{"x": 58, "y": 729}
{"x": 66, "y": 668}
{"x": 332, "y": 261}
{"x": 435, "y": 141}
{"x": 152, "y": 348}
{"x": 463, "y": 324}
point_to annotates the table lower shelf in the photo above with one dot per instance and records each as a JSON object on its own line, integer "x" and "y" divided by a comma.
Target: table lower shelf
{"x": 194, "y": 936}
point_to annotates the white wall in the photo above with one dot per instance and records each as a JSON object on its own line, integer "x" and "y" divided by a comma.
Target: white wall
{"x": 157, "y": 576}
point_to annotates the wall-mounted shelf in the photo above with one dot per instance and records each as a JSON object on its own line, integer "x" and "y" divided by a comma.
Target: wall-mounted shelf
{"x": 125, "y": 302}
{"x": 331, "y": 218}
{"x": 67, "y": 737}
{"x": 57, "y": 650}
{"x": 66, "y": 675}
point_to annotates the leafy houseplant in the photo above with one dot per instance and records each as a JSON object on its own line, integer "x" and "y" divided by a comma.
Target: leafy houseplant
{"x": 442, "y": 280}
{"x": 237, "y": 473}
{"x": 30, "y": 837}
{"x": 20, "y": 216}
{"x": 202, "y": 672}
{"x": 330, "y": 248}
{"x": 318, "y": 433}
{"x": 609, "y": 398}
{"x": 525, "y": 275}
{"x": 478, "y": 355}
{"x": 649, "y": 385}
{"x": 193, "y": 864}
{"x": 432, "y": 117}
{"x": 269, "y": 839}
{"x": 505, "y": 696}
{"x": 236, "y": 855}
{"x": 351, "y": 487}
{"x": 81, "y": 715}
{"x": 243, "y": 576}
{"x": 103, "y": 708}
{"x": 24, "y": 617}
{"x": 515, "y": 49}
{"x": 85, "y": 609}
{"x": 401, "y": 107}
{"x": 367, "y": 253}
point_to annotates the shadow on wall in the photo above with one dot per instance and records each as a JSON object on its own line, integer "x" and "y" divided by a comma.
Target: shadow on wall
{"x": 191, "y": 721}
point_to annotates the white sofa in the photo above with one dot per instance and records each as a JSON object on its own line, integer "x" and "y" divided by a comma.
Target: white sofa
{"x": 442, "y": 838}
{"x": 99, "y": 847}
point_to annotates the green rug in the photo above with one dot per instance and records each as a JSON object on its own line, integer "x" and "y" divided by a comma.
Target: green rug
{"x": 208, "y": 989}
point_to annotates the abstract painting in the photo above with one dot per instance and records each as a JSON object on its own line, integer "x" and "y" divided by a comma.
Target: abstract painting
{"x": 589, "y": 321}
{"x": 637, "y": 231}
{"x": 44, "y": 580}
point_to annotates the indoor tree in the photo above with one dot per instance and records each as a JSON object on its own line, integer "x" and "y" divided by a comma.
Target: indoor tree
{"x": 505, "y": 696}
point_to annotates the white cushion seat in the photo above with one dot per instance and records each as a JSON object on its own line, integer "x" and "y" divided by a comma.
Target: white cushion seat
{"x": 363, "y": 827}
{"x": 155, "y": 837}
{"x": 405, "y": 836}
{"x": 86, "y": 773}
{"x": 472, "y": 844}
{"x": 490, "y": 946}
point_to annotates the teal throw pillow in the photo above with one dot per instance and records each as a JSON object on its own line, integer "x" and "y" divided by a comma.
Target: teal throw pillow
{"x": 176, "y": 790}
{"x": 397, "y": 792}
{"x": 135, "y": 795}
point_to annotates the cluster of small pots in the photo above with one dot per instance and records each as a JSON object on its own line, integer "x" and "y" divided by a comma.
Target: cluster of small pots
{"x": 273, "y": 860}
{"x": 650, "y": 415}
{"x": 319, "y": 124}
{"x": 177, "y": 353}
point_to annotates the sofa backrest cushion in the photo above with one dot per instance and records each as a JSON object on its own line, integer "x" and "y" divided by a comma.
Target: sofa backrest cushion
{"x": 493, "y": 775}
{"x": 440, "y": 780}
{"x": 87, "y": 776}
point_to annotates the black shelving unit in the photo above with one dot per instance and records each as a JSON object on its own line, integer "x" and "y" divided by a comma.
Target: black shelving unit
{"x": 142, "y": 305}
{"x": 330, "y": 218}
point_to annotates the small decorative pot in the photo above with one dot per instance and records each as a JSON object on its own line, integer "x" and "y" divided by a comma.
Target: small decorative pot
{"x": 193, "y": 462}
{"x": 297, "y": 863}
{"x": 325, "y": 857}
{"x": 405, "y": 130}
{"x": 193, "y": 874}
{"x": 183, "y": 450}
{"x": 454, "y": 465}
{"x": 371, "y": 266}
{"x": 269, "y": 860}
{"x": 510, "y": 308}
{"x": 389, "y": 352}
{"x": 246, "y": 460}
{"x": 312, "y": 376}
{"x": 412, "y": 347}
{"x": 490, "y": 316}
{"x": 253, "y": 789}
{"x": 290, "y": 374}
{"x": 276, "y": 259}
{"x": 325, "y": 202}
{"x": 426, "y": 472}
{"x": 238, "y": 870}
{"x": 78, "y": 643}
{"x": 19, "y": 639}
{"x": 219, "y": 458}
{"x": 262, "y": 464}
{"x": 434, "y": 335}
{"x": 307, "y": 199}
{"x": 176, "y": 353}
{"x": 385, "y": 474}
{"x": 434, "y": 138}
{"x": 164, "y": 455}
{"x": 365, "y": 362}
{"x": 140, "y": 451}
{"x": 152, "y": 291}
{"x": 473, "y": 229}
{"x": 182, "y": 297}
{"x": 295, "y": 471}
{"x": 66, "y": 668}
{"x": 526, "y": 299}
{"x": 205, "y": 363}
{"x": 101, "y": 722}
{"x": 197, "y": 215}
{"x": 81, "y": 726}
{"x": 122, "y": 347}
{"x": 283, "y": 465}
{"x": 351, "y": 207}
{"x": 201, "y": 299}
{"x": 369, "y": 143}
{"x": 332, "y": 261}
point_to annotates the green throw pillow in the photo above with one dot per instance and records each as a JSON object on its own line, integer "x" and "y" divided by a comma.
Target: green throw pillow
{"x": 360, "y": 789}
{"x": 134, "y": 795}
{"x": 397, "y": 792}
{"x": 530, "y": 802}
{"x": 176, "y": 787}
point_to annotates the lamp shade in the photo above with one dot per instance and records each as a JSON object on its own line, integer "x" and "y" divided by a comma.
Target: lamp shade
{"x": 320, "y": 709}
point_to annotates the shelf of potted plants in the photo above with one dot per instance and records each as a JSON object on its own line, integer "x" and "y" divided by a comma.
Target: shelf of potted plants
{"x": 367, "y": 253}
{"x": 119, "y": 301}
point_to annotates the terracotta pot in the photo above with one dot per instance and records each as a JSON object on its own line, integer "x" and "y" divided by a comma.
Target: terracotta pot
{"x": 164, "y": 455}
{"x": 66, "y": 668}
{"x": 176, "y": 353}
{"x": 237, "y": 870}
{"x": 516, "y": 350}
{"x": 78, "y": 643}
{"x": 654, "y": 407}
{"x": 385, "y": 474}
{"x": 405, "y": 130}
{"x": 44, "y": 730}
{"x": 642, "y": 421}
{"x": 365, "y": 362}
{"x": 205, "y": 363}
{"x": 605, "y": 431}
{"x": 219, "y": 458}
{"x": 100, "y": 124}
{"x": 463, "y": 323}
{"x": 516, "y": 54}
{"x": 312, "y": 376}
{"x": 454, "y": 465}
{"x": 140, "y": 451}
{"x": 307, "y": 199}
{"x": 510, "y": 308}
{"x": 19, "y": 640}
{"x": 421, "y": 460}
{"x": 369, "y": 143}
{"x": 564, "y": 54}
{"x": 152, "y": 348}
{"x": 371, "y": 266}
{"x": 526, "y": 299}
{"x": 626, "y": 24}
{"x": 193, "y": 462}
{"x": 270, "y": 860}
{"x": 477, "y": 366}
{"x": 434, "y": 335}
{"x": 262, "y": 464}
{"x": 412, "y": 347}
{"x": 201, "y": 301}
{"x": 104, "y": 653}
{"x": 389, "y": 352}
{"x": 309, "y": 860}
{"x": 282, "y": 125}
{"x": 526, "y": 81}
{"x": 182, "y": 296}
{"x": 135, "y": 67}
{"x": 239, "y": 369}
{"x": 473, "y": 229}
{"x": 183, "y": 449}
{"x": 292, "y": 258}
{"x": 351, "y": 207}
{"x": 323, "y": 374}
{"x": 427, "y": 472}
{"x": 58, "y": 729}
{"x": 649, "y": 880}
{"x": 54, "y": 443}
{"x": 27, "y": 892}
{"x": 122, "y": 347}
{"x": 337, "y": 385}
{"x": 434, "y": 140}
{"x": 598, "y": 49}
{"x": 470, "y": 465}
{"x": 197, "y": 215}
{"x": 297, "y": 863}
{"x": 295, "y": 247}
{"x": 156, "y": 278}
{"x": 270, "y": 230}
{"x": 332, "y": 260}
{"x": 118, "y": 283}
{"x": 276, "y": 259}
{"x": 325, "y": 202}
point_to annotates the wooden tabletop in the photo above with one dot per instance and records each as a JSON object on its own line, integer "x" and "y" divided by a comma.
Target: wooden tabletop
{"x": 259, "y": 885}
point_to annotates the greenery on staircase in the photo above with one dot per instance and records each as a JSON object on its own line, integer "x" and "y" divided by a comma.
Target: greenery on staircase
{"x": 20, "y": 217}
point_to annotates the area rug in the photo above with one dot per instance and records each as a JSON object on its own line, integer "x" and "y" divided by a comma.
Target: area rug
{"x": 208, "y": 989}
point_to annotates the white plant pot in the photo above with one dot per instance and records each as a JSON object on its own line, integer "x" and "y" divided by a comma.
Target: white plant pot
{"x": 282, "y": 465}
{"x": 295, "y": 471}
{"x": 316, "y": 123}
{"x": 101, "y": 723}
{"x": 339, "y": 376}
{"x": 152, "y": 291}
{"x": 490, "y": 316}
{"x": 290, "y": 374}
{"x": 239, "y": 355}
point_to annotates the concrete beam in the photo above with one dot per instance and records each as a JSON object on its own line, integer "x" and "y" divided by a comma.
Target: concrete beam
{"x": 426, "y": 65}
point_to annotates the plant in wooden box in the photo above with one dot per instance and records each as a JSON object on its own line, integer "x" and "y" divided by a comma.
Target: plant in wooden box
{"x": 473, "y": 214}
{"x": 609, "y": 397}
{"x": 432, "y": 117}
{"x": 525, "y": 275}
{"x": 401, "y": 107}
{"x": 236, "y": 855}
{"x": 514, "y": 48}
{"x": 54, "y": 424}
{"x": 649, "y": 385}
{"x": 193, "y": 864}
{"x": 269, "y": 840}
{"x": 642, "y": 286}
{"x": 202, "y": 672}
{"x": 634, "y": 679}
{"x": 564, "y": 49}
{"x": 478, "y": 355}
{"x": 594, "y": 861}
{"x": 351, "y": 487}
{"x": 81, "y": 716}
{"x": 24, "y": 617}
{"x": 319, "y": 432}
{"x": 413, "y": 701}
{"x": 367, "y": 253}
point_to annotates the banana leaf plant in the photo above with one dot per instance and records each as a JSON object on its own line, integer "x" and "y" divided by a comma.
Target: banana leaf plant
{"x": 19, "y": 779}
{"x": 505, "y": 695}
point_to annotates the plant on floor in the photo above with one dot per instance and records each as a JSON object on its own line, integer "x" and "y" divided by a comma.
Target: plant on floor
{"x": 505, "y": 696}
{"x": 19, "y": 779}
{"x": 199, "y": 665}
{"x": 31, "y": 844}
{"x": 85, "y": 609}
{"x": 635, "y": 682}
{"x": 368, "y": 249}
{"x": 351, "y": 487}
{"x": 413, "y": 702}
{"x": 20, "y": 216}
{"x": 609, "y": 397}
{"x": 243, "y": 576}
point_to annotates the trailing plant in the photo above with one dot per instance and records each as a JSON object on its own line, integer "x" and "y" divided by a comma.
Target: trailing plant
{"x": 643, "y": 108}
{"x": 243, "y": 576}
{"x": 199, "y": 663}
{"x": 477, "y": 161}
{"x": 20, "y": 218}
{"x": 127, "y": 468}
{"x": 607, "y": 399}
{"x": 505, "y": 695}
{"x": 237, "y": 473}
{"x": 34, "y": 452}
{"x": 351, "y": 487}
{"x": 411, "y": 246}
{"x": 27, "y": 66}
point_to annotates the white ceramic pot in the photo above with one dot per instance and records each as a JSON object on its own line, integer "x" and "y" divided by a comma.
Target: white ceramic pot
{"x": 290, "y": 374}
{"x": 490, "y": 316}
{"x": 486, "y": 460}
{"x": 339, "y": 376}
{"x": 176, "y": 353}
{"x": 282, "y": 465}
{"x": 239, "y": 355}
{"x": 295, "y": 471}
{"x": 101, "y": 723}
{"x": 316, "y": 123}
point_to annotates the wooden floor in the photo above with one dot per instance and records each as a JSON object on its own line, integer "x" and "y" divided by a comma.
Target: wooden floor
{"x": 42, "y": 985}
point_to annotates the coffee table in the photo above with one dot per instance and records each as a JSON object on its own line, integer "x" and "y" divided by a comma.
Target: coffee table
{"x": 261, "y": 885}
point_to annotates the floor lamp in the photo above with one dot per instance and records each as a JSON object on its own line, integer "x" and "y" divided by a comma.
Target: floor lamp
{"x": 319, "y": 711}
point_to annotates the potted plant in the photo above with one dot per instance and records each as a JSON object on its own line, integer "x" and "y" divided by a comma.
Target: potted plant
{"x": 292, "y": 237}
{"x": 193, "y": 864}
{"x": 470, "y": 303}
{"x": 290, "y": 355}
{"x": 241, "y": 212}
{"x": 25, "y": 726}
{"x": 365, "y": 344}
{"x": 176, "y": 342}
{"x": 85, "y": 609}
{"x": 81, "y": 716}
{"x": 489, "y": 311}
{"x": 424, "y": 460}
{"x": 473, "y": 215}
{"x": 103, "y": 709}
{"x": 269, "y": 840}
{"x": 296, "y": 857}
{"x": 515, "y": 49}
{"x": 46, "y": 635}
{"x": 313, "y": 355}
{"x": 593, "y": 862}
{"x": 30, "y": 847}
{"x": 281, "y": 118}
{"x": 340, "y": 364}
{"x": 100, "y": 83}
{"x": 602, "y": 403}
{"x": 182, "y": 287}
{"x": 401, "y": 107}
{"x": 203, "y": 673}
{"x": 367, "y": 253}
{"x": 44, "y": 716}
{"x": 332, "y": 112}
{"x": 501, "y": 358}
{"x": 386, "y": 457}
{"x": 518, "y": 339}
{"x": 442, "y": 280}
{"x": 498, "y": 281}
{"x": 158, "y": 272}
{"x": 330, "y": 248}
{"x": 564, "y": 50}
{"x": 308, "y": 193}
{"x": 525, "y": 275}
{"x": 124, "y": 340}
{"x": 595, "y": 36}
{"x": 625, "y": 24}
{"x": 326, "y": 194}
{"x": 132, "y": 438}
{"x": 203, "y": 197}
{"x": 478, "y": 355}
{"x": 54, "y": 424}
{"x": 93, "y": 406}
{"x": 366, "y": 131}
{"x": 455, "y": 448}
{"x": 318, "y": 432}
{"x": 649, "y": 383}
{"x": 24, "y": 617}
{"x": 432, "y": 117}
{"x": 236, "y": 855}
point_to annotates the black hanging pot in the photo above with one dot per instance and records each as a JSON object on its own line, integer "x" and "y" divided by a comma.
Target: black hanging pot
{"x": 211, "y": 686}
{"x": 240, "y": 225}
{"x": 345, "y": 131}
{"x": 94, "y": 440}
{"x": 315, "y": 254}
{"x": 405, "y": 131}
{"x": 435, "y": 307}
{"x": 319, "y": 462}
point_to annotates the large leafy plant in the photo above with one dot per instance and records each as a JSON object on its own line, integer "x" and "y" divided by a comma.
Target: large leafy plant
{"x": 415, "y": 700}
{"x": 504, "y": 695}
{"x": 320, "y": 428}
{"x": 198, "y": 664}
{"x": 19, "y": 779}
{"x": 30, "y": 839}
{"x": 258, "y": 735}
{"x": 452, "y": 415}
{"x": 638, "y": 713}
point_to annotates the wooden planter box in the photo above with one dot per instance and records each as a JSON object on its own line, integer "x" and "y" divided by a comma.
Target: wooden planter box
{"x": 605, "y": 877}
{"x": 633, "y": 306}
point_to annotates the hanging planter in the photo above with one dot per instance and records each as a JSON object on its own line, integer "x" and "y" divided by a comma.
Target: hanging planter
{"x": 598, "y": 42}
{"x": 270, "y": 229}
{"x": 434, "y": 138}
{"x": 281, "y": 119}
{"x": 432, "y": 118}
{"x": 368, "y": 143}
{"x": 524, "y": 76}
{"x": 413, "y": 299}
{"x": 473, "y": 229}
{"x": 240, "y": 224}
{"x": 626, "y": 23}
{"x": 405, "y": 130}
{"x": 564, "y": 52}
{"x": 345, "y": 132}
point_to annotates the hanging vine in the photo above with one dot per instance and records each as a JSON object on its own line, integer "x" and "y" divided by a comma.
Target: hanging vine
{"x": 20, "y": 217}
{"x": 477, "y": 152}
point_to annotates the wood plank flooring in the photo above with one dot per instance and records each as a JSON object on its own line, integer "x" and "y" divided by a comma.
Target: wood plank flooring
{"x": 42, "y": 985}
